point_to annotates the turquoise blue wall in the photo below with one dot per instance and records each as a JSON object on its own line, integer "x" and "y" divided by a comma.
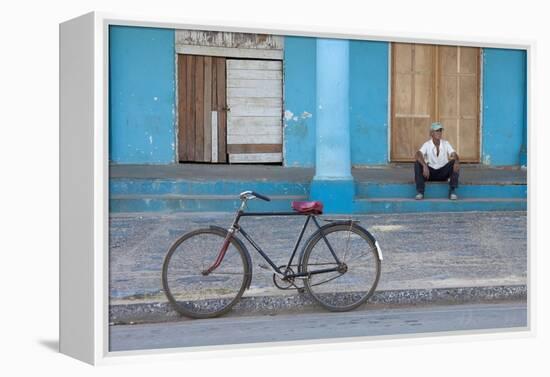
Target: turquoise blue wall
{"x": 299, "y": 101}
{"x": 504, "y": 106}
{"x": 369, "y": 102}
{"x": 141, "y": 95}
{"x": 143, "y": 101}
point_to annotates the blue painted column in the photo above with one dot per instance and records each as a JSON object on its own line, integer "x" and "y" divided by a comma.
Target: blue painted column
{"x": 333, "y": 183}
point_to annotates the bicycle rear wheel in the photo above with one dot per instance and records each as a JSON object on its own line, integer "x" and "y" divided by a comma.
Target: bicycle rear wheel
{"x": 358, "y": 276}
{"x": 189, "y": 291}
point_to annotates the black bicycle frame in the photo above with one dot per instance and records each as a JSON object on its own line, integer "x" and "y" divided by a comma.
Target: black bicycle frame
{"x": 238, "y": 228}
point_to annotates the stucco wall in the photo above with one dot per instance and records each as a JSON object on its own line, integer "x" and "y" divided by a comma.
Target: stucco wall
{"x": 299, "y": 69}
{"x": 504, "y": 106}
{"x": 368, "y": 102}
{"x": 141, "y": 95}
{"x": 142, "y": 116}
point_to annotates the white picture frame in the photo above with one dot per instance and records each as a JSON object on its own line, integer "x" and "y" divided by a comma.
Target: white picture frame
{"x": 84, "y": 332}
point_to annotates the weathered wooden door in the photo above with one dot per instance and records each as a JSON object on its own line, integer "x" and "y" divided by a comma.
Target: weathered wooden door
{"x": 458, "y": 99}
{"x": 202, "y": 109}
{"x": 413, "y": 98}
{"x": 434, "y": 83}
{"x": 254, "y": 119}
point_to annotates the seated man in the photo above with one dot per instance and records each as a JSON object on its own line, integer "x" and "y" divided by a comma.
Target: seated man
{"x": 436, "y": 160}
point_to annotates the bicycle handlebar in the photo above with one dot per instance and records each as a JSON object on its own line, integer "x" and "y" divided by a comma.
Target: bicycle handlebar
{"x": 263, "y": 197}
{"x": 245, "y": 195}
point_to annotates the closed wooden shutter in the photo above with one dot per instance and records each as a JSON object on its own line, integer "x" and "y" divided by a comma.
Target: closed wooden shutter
{"x": 434, "y": 83}
{"x": 254, "y": 118}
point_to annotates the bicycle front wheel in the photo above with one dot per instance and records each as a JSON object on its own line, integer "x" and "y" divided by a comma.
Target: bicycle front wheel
{"x": 204, "y": 296}
{"x": 358, "y": 273}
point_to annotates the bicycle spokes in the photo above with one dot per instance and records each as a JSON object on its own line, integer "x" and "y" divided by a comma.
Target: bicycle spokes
{"x": 200, "y": 295}
{"x": 354, "y": 278}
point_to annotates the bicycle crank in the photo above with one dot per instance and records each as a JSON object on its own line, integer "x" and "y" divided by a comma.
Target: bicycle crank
{"x": 285, "y": 282}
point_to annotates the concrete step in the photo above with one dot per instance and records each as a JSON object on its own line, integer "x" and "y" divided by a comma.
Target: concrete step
{"x": 375, "y": 190}
{"x": 401, "y": 205}
{"x": 363, "y": 189}
{"x": 225, "y": 203}
{"x": 198, "y": 203}
{"x": 196, "y": 195}
{"x": 133, "y": 186}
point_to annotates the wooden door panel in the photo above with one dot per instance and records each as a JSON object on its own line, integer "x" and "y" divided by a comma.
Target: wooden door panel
{"x": 404, "y": 63}
{"x": 201, "y": 98}
{"x": 434, "y": 83}
{"x": 423, "y": 94}
{"x": 221, "y": 108}
{"x": 423, "y": 58}
{"x": 254, "y": 123}
{"x": 467, "y": 127}
{"x": 264, "y": 65}
{"x": 469, "y": 57}
{"x": 447, "y": 60}
{"x": 468, "y": 96}
{"x": 459, "y": 99}
{"x": 420, "y": 134}
{"x": 207, "y": 114}
{"x": 255, "y": 74}
{"x": 402, "y": 139}
{"x": 423, "y": 71}
{"x": 269, "y": 85}
{"x": 403, "y": 96}
{"x": 199, "y": 109}
{"x": 190, "y": 118}
{"x": 182, "y": 106}
{"x": 447, "y": 97}
{"x": 412, "y": 98}
{"x": 451, "y": 130}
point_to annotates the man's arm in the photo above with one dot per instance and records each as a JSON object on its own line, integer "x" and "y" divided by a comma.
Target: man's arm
{"x": 420, "y": 158}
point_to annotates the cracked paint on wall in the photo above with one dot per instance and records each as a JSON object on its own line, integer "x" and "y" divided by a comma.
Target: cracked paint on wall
{"x": 299, "y": 99}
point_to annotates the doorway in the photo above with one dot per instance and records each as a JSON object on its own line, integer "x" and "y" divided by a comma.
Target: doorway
{"x": 229, "y": 110}
{"x": 435, "y": 83}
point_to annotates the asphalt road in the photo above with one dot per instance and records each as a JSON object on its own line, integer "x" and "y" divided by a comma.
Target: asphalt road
{"x": 308, "y": 326}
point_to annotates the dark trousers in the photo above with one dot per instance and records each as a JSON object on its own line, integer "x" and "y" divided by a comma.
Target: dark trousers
{"x": 438, "y": 175}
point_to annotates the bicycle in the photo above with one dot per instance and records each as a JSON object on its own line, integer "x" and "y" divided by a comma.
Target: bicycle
{"x": 206, "y": 271}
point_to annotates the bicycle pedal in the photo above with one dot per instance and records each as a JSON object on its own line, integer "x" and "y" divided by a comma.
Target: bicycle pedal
{"x": 264, "y": 266}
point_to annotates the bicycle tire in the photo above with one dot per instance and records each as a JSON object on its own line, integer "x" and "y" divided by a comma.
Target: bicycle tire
{"x": 195, "y": 295}
{"x": 341, "y": 291}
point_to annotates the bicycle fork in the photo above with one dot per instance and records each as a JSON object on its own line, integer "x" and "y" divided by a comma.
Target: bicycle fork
{"x": 222, "y": 252}
{"x": 226, "y": 241}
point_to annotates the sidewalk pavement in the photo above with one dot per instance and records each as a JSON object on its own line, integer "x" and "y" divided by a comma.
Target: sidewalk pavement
{"x": 429, "y": 258}
{"x": 394, "y": 173}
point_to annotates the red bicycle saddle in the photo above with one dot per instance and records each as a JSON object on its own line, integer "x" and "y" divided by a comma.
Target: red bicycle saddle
{"x": 314, "y": 208}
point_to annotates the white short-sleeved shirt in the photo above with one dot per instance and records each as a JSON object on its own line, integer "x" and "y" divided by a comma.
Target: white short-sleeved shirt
{"x": 429, "y": 151}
